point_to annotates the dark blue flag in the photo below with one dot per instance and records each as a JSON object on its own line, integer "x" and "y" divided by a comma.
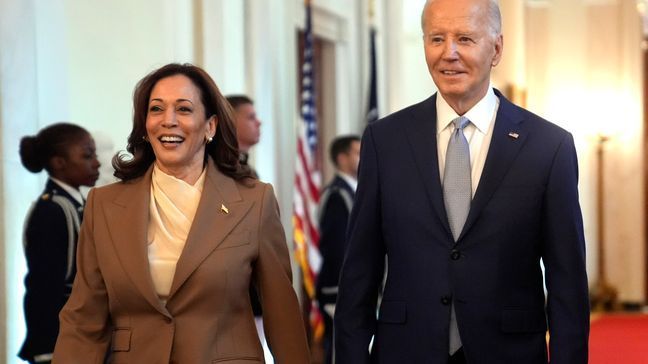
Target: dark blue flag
{"x": 372, "y": 106}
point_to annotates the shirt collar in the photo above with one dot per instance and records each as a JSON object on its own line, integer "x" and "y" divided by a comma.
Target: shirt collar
{"x": 352, "y": 182}
{"x": 480, "y": 115}
{"x": 76, "y": 194}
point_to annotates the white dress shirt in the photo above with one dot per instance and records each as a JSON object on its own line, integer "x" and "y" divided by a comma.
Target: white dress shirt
{"x": 352, "y": 182}
{"x": 76, "y": 194}
{"x": 478, "y": 132}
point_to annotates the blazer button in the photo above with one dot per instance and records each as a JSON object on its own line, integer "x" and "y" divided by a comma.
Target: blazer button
{"x": 455, "y": 254}
{"x": 445, "y": 300}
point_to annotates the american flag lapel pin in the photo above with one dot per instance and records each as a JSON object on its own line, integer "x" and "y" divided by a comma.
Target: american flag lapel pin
{"x": 224, "y": 209}
{"x": 513, "y": 135}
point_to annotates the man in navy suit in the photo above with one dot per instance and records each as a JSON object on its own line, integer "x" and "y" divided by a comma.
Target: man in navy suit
{"x": 335, "y": 206}
{"x": 473, "y": 294}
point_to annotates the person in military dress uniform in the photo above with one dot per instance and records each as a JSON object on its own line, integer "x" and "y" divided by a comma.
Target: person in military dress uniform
{"x": 67, "y": 152}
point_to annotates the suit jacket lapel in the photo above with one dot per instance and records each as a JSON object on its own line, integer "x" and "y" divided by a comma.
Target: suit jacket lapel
{"x": 127, "y": 218}
{"x": 509, "y": 134}
{"x": 421, "y": 134}
{"x": 212, "y": 223}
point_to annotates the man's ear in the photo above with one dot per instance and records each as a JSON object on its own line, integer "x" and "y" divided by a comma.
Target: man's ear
{"x": 499, "y": 48}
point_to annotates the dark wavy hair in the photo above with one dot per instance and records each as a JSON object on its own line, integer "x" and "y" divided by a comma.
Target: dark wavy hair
{"x": 223, "y": 149}
{"x": 52, "y": 141}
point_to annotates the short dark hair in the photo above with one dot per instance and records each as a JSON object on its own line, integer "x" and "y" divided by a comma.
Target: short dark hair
{"x": 223, "y": 149}
{"x": 52, "y": 141}
{"x": 238, "y": 100}
{"x": 341, "y": 144}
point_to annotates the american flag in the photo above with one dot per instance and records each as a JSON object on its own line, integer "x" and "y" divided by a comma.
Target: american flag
{"x": 307, "y": 183}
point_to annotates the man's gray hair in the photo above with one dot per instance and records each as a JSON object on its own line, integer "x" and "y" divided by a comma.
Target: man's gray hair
{"x": 494, "y": 17}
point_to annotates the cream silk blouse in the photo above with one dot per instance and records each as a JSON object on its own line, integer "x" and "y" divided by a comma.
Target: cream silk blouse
{"x": 172, "y": 209}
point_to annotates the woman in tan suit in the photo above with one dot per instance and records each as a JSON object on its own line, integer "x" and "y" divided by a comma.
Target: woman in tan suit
{"x": 167, "y": 255}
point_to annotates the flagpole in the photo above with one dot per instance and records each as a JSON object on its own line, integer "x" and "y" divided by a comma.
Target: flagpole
{"x": 372, "y": 94}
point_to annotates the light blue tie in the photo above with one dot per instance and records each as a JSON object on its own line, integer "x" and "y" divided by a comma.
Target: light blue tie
{"x": 457, "y": 193}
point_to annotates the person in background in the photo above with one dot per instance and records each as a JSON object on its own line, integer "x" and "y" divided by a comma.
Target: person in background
{"x": 248, "y": 125}
{"x": 167, "y": 255}
{"x": 465, "y": 194}
{"x": 248, "y": 132}
{"x": 336, "y": 202}
{"x": 67, "y": 152}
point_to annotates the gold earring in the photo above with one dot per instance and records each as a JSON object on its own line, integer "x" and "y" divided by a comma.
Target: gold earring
{"x": 145, "y": 138}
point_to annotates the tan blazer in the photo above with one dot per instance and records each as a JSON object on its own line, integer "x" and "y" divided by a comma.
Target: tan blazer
{"x": 236, "y": 238}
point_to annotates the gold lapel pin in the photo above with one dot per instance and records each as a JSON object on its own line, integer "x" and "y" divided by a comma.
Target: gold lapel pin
{"x": 224, "y": 209}
{"x": 514, "y": 135}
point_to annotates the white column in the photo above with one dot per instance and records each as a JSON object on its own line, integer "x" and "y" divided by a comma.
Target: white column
{"x": 18, "y": 116}
{"x": 179, "y": 16}
{"x": 222, "y": 40}
{"x": 409, "y": 81}
{"x": 271, "y": 74}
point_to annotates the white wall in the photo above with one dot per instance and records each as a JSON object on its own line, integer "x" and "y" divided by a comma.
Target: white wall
{"x": 588, "y": 80}
{"x": 110, "y": 45}
{"x": 18, "y": 116}
{"x": 77, "y": 61}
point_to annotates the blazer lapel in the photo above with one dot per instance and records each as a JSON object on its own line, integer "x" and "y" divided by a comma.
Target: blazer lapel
{"x": 220, "y": 209}
{"x": 127, "y": 218}
{"x": 421, "y": 134}
{"x": 509, "y": 135}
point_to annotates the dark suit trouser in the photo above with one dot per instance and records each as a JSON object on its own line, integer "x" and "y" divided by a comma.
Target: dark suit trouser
{"x": 327, "y": 340}
{"x": 457, "y": 358}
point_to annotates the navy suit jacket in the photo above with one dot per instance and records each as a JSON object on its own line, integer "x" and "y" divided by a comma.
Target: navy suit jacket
{"x": 525, "y": 209}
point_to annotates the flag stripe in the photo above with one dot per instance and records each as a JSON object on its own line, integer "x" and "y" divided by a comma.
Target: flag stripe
{"x": 307, "y": 214}
{"x": 312, "y": 188}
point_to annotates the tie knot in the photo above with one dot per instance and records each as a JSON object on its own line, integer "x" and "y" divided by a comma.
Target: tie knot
{"x": 460, "y": 122}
